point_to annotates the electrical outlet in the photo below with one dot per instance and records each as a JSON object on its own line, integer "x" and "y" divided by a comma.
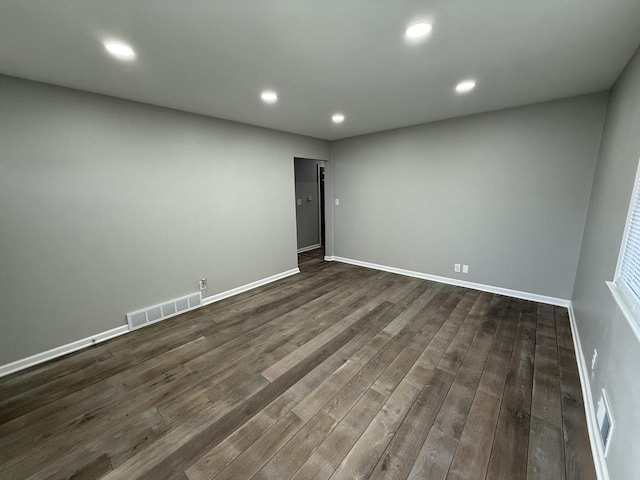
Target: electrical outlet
{"x": 593, "y": 359}
{"x": 203, "y": 284}
{"x": 465, "y": 268}
{"x": 456, "y": 267}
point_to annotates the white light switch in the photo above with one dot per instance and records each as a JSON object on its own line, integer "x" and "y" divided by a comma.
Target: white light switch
{"x": 456, "y": 267}
{"x": 465, "y": 268}
{"x": 299, "y": 201}
{"x": 337, "y": 201}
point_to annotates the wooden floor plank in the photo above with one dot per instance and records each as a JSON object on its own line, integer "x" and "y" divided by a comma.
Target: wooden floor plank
{"x": 76, "y": 400}
{"x": 498, "y": 308}
{"x": 339, "y": 405}
{"x": 281, "y": 367}
{"x": 293, "y": 455}
{"x": 17, "y": 405}
{"x": 458, "y": 347}
{"x": 400, "y": 455}
{"x": 510, "y": 446}
{"x": 401, "y": 320}
{"x": 322, "y": 463}
{"x": 368, "y": 375}
{"x": 455, "y": 408}
{"x": 336, "y": 408}
{"x": 438, "y": 334}
{"x": 546, "y": 452}
{"x": 312, "y": 403}
{"x": 180, "y": 458}
{"x": 253, "y": 459}
{"x": 225, "y": 452}
{"x": 546, "y": 400}
{"x": 472, "y": 454}
{"x": 434, "y": 457}
{"x": 96, "y": 468}
{"x": 364, "y": 454}
{"x": 391, "y": 378}
{"x": 497, "y": 366}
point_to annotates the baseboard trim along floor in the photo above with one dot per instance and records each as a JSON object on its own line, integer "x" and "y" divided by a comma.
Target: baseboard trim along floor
{"x": 534, "y": 297}
{"x": 589, "y": 406}
{"x": 115, "y": 332}
{"x": 62, "y": 350}
{"x": 309, "y": 248}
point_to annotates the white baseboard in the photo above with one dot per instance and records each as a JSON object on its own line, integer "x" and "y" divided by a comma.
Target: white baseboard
{"x": 329, "y": 258}
{"x": 62, "y": 350}
{"x": 561, "y": 302}
{"x": 592, "y": 426}
{"x": 249, "y": 286}
{"x": 310, "y": 247}
{"x": 101, "y": 337}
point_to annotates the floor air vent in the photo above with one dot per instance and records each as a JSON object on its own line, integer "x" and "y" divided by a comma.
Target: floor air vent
{"x": 154, "y": 314}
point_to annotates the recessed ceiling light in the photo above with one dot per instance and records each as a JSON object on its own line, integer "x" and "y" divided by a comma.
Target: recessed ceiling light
{"x": 337, "y": 118}
{"x": 269, "y": 96}
{"x": 120, "y": 50}
{"x": 465, "y": 86}
{"x": 418, "y": 30}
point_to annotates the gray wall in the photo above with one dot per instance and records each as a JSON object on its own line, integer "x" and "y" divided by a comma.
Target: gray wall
{"x": 307, "y": 214}
{"x": 110, "y": 206}
{"x": 600, "y": 323}
{"x": 504, "y": 192}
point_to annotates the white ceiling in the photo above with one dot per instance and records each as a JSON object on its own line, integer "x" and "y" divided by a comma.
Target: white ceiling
{"x": 323, "y": 56}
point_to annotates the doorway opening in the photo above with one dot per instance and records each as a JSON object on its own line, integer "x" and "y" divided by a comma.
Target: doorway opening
{"x": 310, "y": 209}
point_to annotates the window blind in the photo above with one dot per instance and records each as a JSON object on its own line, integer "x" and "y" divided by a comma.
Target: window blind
{"x": 629, "y": 272}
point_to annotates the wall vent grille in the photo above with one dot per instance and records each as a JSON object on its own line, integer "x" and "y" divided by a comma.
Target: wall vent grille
{"x": 605, "y": 423}
{"x": 156, "y": 313}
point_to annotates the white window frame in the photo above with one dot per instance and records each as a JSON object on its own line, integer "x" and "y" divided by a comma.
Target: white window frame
{"x": 628, "y": 301}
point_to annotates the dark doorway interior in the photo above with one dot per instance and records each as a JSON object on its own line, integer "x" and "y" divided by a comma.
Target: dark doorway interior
{"x": 321, "y": 196}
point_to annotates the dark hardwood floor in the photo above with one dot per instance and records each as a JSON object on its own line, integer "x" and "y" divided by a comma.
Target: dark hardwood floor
{"x": 339, "y": 372}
